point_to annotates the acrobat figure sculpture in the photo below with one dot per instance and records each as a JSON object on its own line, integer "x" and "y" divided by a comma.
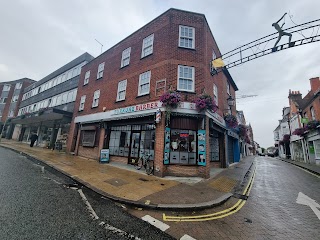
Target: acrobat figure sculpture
{"x": 281, "y": 32}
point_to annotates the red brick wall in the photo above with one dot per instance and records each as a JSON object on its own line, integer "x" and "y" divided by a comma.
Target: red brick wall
{"x": 316, "y": 106}
{"x": 5, "y": 111}
{"x": 89, "y": 152}
{"x": 315, "y": 84}
{"x": 163, "y": 64}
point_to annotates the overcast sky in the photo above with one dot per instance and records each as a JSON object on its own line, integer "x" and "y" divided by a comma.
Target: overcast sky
{"x": 37, "y": 37}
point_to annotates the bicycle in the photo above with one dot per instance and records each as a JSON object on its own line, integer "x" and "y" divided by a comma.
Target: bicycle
{"x": 144, "y": 161}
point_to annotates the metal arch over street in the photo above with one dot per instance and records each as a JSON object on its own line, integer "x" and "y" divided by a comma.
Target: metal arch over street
{"x": 258, "y": 48}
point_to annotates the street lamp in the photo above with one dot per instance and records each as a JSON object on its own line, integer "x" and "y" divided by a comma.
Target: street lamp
{"x": 230, "y": 102}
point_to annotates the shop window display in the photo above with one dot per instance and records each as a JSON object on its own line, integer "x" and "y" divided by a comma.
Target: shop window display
{"x": 183, "y": 146}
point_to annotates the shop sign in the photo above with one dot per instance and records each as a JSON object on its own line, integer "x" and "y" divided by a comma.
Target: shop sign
{"x": 104, "y": 155}
{"x": 136, "y": 108}
{"x": 232, "y": 134}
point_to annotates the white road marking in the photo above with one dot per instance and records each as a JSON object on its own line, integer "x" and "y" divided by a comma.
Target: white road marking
{"x": 155, "y": 222}
{"x": 89, "y": 207}
{"x": 187, "y": 237}
{"x": 118, "y": 231}
{"x": 305, "y": 200}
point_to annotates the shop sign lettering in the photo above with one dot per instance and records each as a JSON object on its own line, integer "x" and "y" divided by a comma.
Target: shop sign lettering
{"x": 136, "y": 108}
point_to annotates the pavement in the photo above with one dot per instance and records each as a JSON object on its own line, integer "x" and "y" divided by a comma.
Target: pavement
{"x": 123, "y": 183}
{"x": 309, "y": 167}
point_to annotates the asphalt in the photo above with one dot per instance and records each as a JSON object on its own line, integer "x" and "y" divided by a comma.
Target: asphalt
{"x": 124, "y": 184}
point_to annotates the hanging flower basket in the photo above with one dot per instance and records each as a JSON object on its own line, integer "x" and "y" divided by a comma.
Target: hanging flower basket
{"x": 312, "y": 125}
{"x": 242, "y": 131}
{"x": 286, "y": 138}
{"x": 170, "y": 99}
{"x": 299, "y": 131}
{"x": 231, "y": 120}
{"x": 205, "y": 102}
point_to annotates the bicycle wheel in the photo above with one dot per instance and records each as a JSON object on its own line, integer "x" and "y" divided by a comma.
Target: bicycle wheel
{"x": 149, "y": 167}
{"x": 139, "y": 163}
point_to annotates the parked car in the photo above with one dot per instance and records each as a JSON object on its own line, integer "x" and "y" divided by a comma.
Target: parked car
{"x": 273, "y": 152}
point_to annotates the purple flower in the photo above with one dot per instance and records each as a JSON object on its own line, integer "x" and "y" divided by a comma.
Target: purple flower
{"x": 170, "y": 99}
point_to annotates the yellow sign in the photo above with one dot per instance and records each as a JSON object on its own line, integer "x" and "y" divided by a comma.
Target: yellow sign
{"x": 218, "y": 63}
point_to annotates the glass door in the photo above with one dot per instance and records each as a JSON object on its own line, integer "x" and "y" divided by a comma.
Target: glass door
{"x": 134, "y": 146}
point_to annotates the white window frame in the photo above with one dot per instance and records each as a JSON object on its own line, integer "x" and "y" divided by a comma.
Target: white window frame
{"x": 15, "y": 98}
{"x": 100, "y": 70}
{"x": 141, "y": 83}
{"x": 215, "y": 94}
{"x": 95, "y": 100}
{"x": 6, "y": 87}
{"x": 183, "y": 78}
{"x": 187, "y": 37}
{"x": 82, "y": 102}
{"x": 125, "y": 59}
{"x": 121, "y": 93}
{"x": 18, "y": 85}
{"x": 228, "y": 88}
{"x": 86, "y": 77}
{"x": 147, "y": 44}
{"x": 312, "y": 113}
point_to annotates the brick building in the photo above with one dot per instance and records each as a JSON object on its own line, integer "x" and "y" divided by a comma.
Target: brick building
{"x": 118, "y": 96}
{"x": 10, "y": 98}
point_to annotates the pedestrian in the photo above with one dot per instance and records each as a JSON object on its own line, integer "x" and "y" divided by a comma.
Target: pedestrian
{"x": 33, "y": 139}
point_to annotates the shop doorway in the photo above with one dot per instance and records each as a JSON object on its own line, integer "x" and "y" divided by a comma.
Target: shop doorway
{"x": 134, "y": 151}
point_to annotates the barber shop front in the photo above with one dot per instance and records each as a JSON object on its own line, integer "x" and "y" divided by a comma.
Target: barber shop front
{"x": 181, "y": 144}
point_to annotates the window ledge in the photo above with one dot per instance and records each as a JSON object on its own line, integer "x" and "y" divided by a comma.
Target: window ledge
{"x": 120, "y": 101}
{"x": 187, "y": 48}
{"x": 94, "y": 107}
{"x": 124, "y": 66}
{"x": 146, "y": 56}
{"x": 183, "y": 91}
{"x": 99, "y": 78}
{"x": 144, "y": 95}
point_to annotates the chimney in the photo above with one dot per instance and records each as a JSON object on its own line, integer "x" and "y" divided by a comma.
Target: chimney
{"x": 315, "y": 84}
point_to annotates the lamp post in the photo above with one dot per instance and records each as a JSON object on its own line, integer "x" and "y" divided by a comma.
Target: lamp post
{"x": 230, "y": 102}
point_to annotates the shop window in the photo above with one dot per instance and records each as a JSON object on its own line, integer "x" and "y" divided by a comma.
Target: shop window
{"x": 183, "y": 146}
{"x": 120, "y": 140}
{"x": 317, "y": 148}
{"x": 214, "y": 147}
{"x": 88, "y": 138}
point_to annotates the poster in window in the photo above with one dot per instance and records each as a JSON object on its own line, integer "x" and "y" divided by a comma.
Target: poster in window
{"x": 202, "y": 147}
{"x": 104, "y": 156}
{"x": 166, "y": 154}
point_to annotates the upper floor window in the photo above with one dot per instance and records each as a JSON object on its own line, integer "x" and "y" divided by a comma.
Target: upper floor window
{"x": 215, "y": 93}
{"x": 214, "y": 56}
{"x": 313, "y": 115}
{"x": 147, "y": 46}
{"x": 100, "y": 70}
{"x": 18, "y": 85}
{"x": 6, "y": 87}
{"x": 122, "y": 85}
{"x": 186, "y": 37}
{"x": 86, "y": 78}
{"x": 228, "y": 88}
{"x": 144, "y": 83}
{"x": 125, "y": 60}
{"x": 82, "y": 101}
{"x": 14, "y": 98}
{"x": 11, "y": 113}
{"x": 185, "y": 78}
{"x": 96, "y": 96}
{"x": 3, "y": 100}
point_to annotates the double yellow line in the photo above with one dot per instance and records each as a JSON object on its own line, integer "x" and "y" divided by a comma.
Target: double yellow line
{"x": 207, "y": 217}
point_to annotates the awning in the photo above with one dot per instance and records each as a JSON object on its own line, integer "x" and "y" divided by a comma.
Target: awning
{"x": 50, "y": 114}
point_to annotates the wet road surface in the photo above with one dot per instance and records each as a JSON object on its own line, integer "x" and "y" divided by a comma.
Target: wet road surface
{"x": 271, "y": 211}
{"x": 38, "y": 203}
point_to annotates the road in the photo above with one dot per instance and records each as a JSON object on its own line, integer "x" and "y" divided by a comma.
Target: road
{"x": 271, "y": 211}
{"x": 39, "y": 203}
